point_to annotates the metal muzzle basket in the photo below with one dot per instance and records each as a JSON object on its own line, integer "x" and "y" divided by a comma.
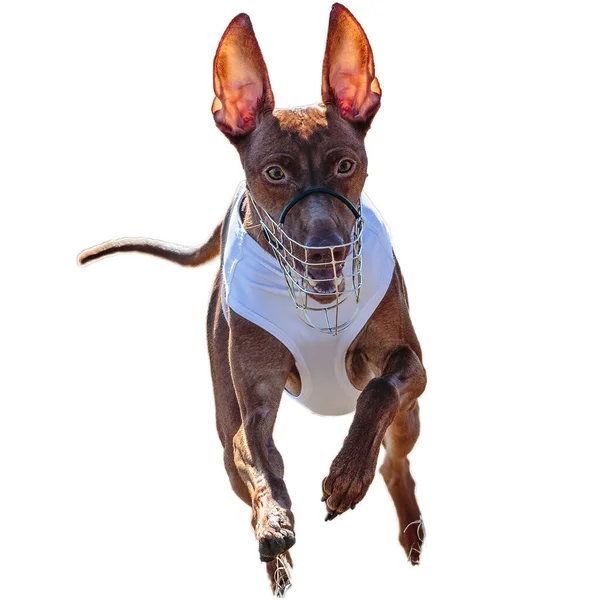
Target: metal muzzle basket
{"x": 328, "y": 304}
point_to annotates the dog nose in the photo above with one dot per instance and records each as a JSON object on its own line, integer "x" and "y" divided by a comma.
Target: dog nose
{"x": 319, "y": 248}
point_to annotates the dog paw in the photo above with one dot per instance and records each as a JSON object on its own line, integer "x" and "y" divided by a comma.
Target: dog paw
{"x": 345, "y": 487}
{"x": 412, "y": 538}
{"x": 274, "y": 532}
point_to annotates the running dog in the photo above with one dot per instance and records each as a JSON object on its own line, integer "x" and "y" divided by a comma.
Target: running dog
{"x": 309, "y": 299}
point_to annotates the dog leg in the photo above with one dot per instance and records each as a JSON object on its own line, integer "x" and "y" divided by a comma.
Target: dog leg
{"x": 227, "y": 409}
{"x": 399, "y": 440}
{"x": 229, "y": 421}
{"x": 259, "y": 381}
{"x": 395, "y": 391}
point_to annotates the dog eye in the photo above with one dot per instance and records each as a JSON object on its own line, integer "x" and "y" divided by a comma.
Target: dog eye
{"x": 276, "y": 173}
{"x": 345, "y": 166}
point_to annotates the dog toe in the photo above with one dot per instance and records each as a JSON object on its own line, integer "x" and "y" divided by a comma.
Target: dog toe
{"x": 341, "y": 493}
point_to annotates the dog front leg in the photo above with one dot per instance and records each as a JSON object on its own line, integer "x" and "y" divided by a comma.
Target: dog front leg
{"x": 397, "y": 389}
{"x": 259, "y": 381}
{"x": 261, "y": 467}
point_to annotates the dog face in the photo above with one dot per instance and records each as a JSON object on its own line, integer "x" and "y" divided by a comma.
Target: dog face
{"x": 309, "y": 147}
{"x": 285, "y": 152}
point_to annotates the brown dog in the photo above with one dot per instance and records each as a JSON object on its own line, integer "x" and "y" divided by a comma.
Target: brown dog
{"x": 284, "y": 152}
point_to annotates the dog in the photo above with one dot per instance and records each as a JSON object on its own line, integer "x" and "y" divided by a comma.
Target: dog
{"x": 305, "y": 172}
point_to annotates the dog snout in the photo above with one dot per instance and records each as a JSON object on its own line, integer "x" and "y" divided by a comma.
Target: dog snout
{"x": 324, "y": 248}
{"x": 325, "y": 258}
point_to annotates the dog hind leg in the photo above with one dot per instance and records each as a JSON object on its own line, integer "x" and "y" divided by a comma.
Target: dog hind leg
{"x": 399, "y": 440}
{"x": 227, "y": 409}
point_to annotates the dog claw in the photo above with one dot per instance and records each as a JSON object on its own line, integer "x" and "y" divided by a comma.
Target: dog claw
{"x": 346, "y": 485}
{"x": 331, "y": 516}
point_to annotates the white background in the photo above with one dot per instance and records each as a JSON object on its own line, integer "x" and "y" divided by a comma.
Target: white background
{"x": 484, "y": 160}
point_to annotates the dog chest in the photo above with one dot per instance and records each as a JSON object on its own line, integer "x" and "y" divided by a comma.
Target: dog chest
{"x": 254, "y": 287}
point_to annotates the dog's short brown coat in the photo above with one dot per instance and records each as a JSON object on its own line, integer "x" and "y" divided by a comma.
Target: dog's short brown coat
{"x": 249, "y": 367}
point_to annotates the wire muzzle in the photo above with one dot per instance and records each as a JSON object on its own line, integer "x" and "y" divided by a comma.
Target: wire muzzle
{"x": 326, "y": 294}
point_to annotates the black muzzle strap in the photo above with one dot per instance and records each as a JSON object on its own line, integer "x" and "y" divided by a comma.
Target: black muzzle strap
{"x": 315, "y": 190}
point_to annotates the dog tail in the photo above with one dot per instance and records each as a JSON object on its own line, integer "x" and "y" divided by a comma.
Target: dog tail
{"x": 184, "y": 255}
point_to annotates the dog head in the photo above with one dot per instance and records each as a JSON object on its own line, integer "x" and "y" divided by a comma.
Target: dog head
{"x": 285, "y": 152}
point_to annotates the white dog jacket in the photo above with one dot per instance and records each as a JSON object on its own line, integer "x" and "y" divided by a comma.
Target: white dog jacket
{"x": 254, "y": 287}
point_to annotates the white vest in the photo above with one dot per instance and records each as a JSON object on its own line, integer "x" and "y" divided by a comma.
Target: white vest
{"x": 254, "y": 287}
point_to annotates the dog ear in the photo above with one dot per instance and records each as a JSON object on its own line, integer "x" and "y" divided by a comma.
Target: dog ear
{"x": 240, "y": 80}
{"x": 349, "y": 80}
